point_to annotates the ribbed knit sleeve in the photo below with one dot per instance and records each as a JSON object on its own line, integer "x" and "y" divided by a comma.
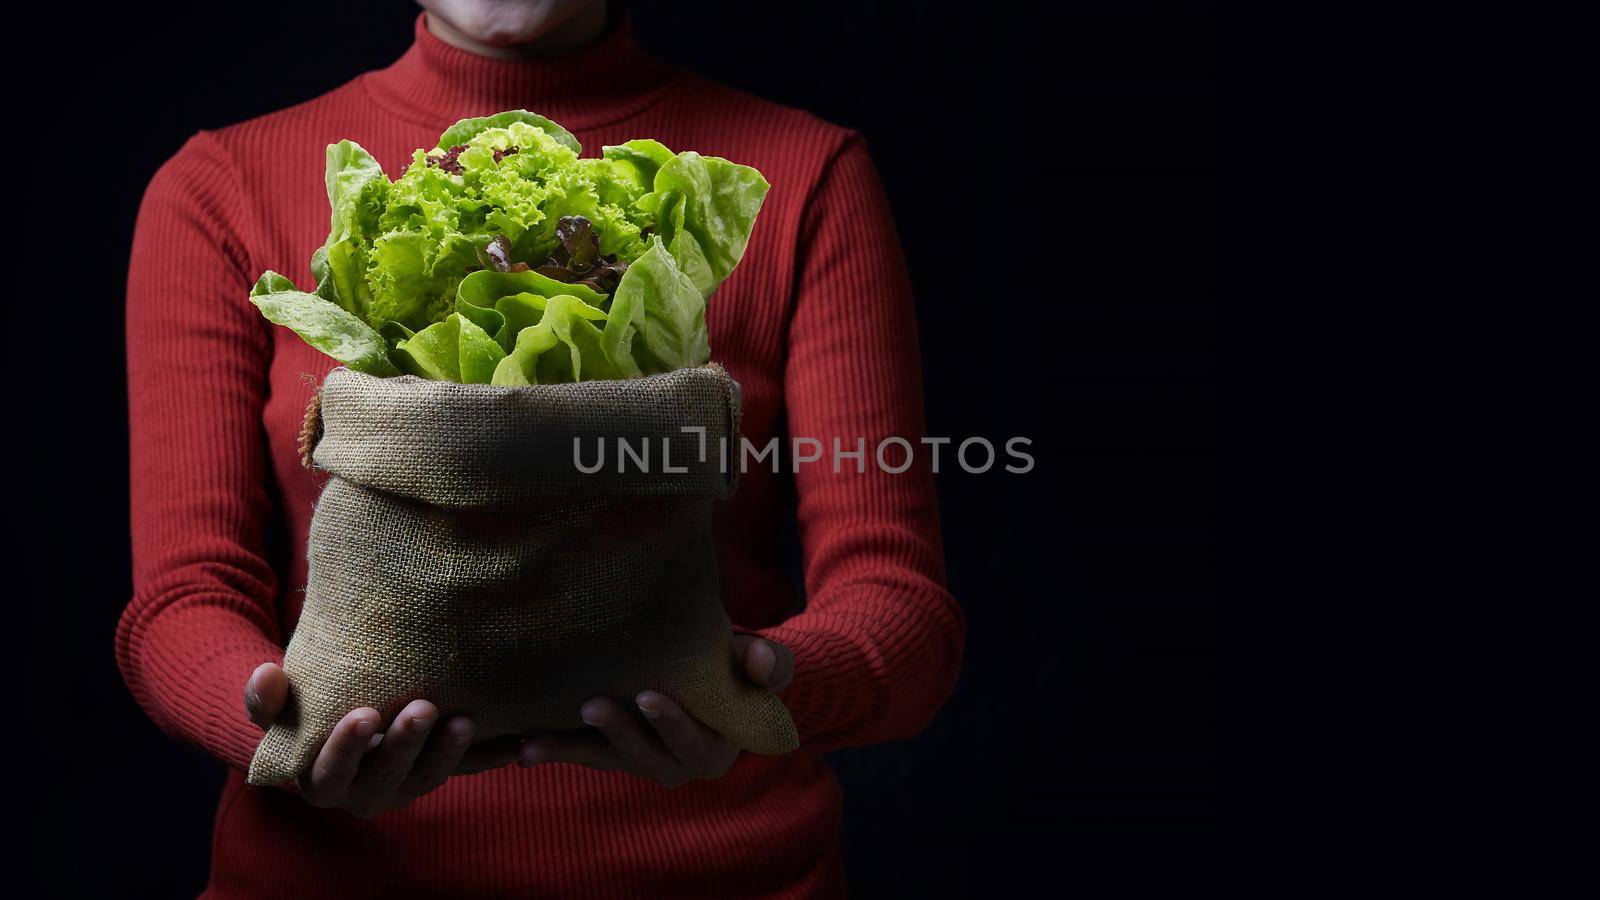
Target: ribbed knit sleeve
{"x": 879, "y": 644}
{"x": 201, "y": 617}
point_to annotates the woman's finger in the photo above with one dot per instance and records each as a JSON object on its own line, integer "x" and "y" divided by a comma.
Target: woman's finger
{"x": 440, "y": 758}
{"x": 266, "y": 693}
{"x": 495, "y": 754}
{"x": 766, "y": 663}
{"x": 389, "y": 766}
{"x": 340, "y": 758}
{"x": 694, "y": 745}
{"x": 640, "y": 748}
{"x": 586, "y": 748}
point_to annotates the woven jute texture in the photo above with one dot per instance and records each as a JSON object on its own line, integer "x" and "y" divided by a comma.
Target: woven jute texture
{"x": 459, "y": 554}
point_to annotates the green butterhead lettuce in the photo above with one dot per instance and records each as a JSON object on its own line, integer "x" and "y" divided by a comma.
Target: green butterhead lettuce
{"x": 667, "y": 310}
{"x": 504, "y": 257}
{"x": 563, "y": 346}
{"x": 323, "y": 325}
{"x": 467, "y": 129}
{"x": 709, "y": 206}
{"x": 357, "y": 194}
{"x": 642, "y": 159}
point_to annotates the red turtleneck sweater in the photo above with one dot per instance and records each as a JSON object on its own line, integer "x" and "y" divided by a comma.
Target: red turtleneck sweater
{"x": 817, "y": 326}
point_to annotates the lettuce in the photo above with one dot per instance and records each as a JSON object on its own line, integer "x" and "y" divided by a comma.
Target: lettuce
{"x": 323, "y": 325}
{"x": 668, "y": 310}
{"x": 502, "y": 256}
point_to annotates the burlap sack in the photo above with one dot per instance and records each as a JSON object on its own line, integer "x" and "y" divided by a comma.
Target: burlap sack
{"x": 458, "y": 554}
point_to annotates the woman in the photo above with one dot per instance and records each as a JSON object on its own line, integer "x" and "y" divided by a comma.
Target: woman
{"x": 816, "y": 325}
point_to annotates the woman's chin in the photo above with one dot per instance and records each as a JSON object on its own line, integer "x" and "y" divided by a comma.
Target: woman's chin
{"x": 503, "y": 23}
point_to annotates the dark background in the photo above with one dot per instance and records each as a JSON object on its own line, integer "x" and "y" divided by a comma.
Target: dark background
{"x": 1063, "y": 156}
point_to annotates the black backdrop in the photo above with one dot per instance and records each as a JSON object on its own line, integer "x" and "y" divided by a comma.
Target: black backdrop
{"x": 1078, "y": 745}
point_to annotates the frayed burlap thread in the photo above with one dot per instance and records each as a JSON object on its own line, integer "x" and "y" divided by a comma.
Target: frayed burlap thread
{"x": 310, "y": 429}
{"x": 459, "y": 554}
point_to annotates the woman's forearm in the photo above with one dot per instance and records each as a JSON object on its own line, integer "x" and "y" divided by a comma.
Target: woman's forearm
{"x": 880, "y": 642}
{"x": 203, "y": 611}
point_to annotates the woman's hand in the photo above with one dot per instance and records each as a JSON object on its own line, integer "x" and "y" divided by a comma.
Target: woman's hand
{"x": 658, "y": 740}
{"x": 364, "y": 772}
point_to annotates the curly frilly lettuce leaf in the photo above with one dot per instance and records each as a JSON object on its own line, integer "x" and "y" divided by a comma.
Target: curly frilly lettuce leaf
{"x": 406, "y": 282}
